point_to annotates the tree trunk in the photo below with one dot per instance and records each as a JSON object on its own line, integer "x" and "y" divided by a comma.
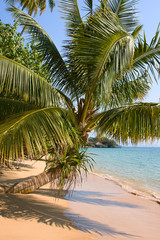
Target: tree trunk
{"x": 29, "y": 185}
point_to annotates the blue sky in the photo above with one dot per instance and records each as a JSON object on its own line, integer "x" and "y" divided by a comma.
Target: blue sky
{"x": 149, "y": 16}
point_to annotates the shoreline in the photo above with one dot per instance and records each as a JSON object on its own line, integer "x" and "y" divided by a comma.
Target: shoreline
{"x": 136, "y": 171}
{"x": 114, "y": 212}
{"x": 98, "y": 209}
{"x": 127, "y": 187}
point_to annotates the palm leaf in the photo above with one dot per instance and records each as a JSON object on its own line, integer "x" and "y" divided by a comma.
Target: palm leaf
{"x": 125, "y": 10}
{"x": 147, "y": 56}
{"x": 89, "y": 6}
{"x": 135, "y": 82}
{"x": 33, "y": 6}
{"x": 21, "y": 83}
{"x": 71, "y": 14}
{"x": 53, "y": 61}
{"x": 10, "y": 106}
{"x": 29, "y": 132}
{"x": 51, "y": 4}
{"x": 109, "y": 44}
{"x": 110, "y": 51}
{"x": 68, "y": 102}
{"x": 94, "y": 122}
{"x": 137, "y": 122}
{"x": 137, "y": 31}
{"x": 128, "y": 89}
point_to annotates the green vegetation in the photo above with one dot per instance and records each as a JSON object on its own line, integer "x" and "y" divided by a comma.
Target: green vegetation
{"x": 12, "y": 46}
{"x": 101, "y": 143}
{"x": 107, "y": 68}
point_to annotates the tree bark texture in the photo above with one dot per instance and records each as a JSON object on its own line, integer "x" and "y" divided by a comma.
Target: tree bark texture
{"x": 29, "y": 185}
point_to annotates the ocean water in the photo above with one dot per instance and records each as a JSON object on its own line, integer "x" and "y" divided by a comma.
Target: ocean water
{"x": 137, "y": 169}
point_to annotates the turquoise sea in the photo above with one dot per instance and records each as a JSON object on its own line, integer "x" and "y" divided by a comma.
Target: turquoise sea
{"x": 137, "y": 169}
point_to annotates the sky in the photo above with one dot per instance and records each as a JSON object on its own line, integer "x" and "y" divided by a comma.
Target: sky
{"x": 149, "y": 17}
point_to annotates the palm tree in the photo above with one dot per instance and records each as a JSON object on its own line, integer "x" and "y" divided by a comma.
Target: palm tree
{"x": 33, "y": 6}
{"x": 107, "y": 67}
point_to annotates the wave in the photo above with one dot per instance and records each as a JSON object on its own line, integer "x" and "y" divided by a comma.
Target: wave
{"x": 143, "y": 193}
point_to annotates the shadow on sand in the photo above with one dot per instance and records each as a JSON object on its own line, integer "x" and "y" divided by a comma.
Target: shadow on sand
{"x": 89, "y": 197}
{"x": 31, "y": 207}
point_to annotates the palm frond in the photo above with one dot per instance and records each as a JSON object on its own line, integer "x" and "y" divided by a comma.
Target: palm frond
{"x": 100, "y": 52}
{"x": 94, "y": 121}
{"x": 126, "y": 12}
{"x": 33, "y": 6}
{"x": 51, "y": 4}
{"x": 42, "y": 6}
{"x": 147, "y": 56}
{"x": 68, "y": 102}
{"x": 136, "y": 31}
{"x": 53, "y": 61}
{"x": 109, "y": 46}
{"x": 135, "y": 123}
{"x": 135, "y": 83}
{"x": 89, "y": 6}
{"x": 28, "y": 133}
{"x": 10, "y": 106}
{"x": 71, "y": 14}
{"x": 128, "y": 89}
{"x": 17, "y": 81}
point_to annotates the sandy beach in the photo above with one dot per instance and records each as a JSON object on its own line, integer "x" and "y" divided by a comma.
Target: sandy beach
{"x": 98, "y": 209}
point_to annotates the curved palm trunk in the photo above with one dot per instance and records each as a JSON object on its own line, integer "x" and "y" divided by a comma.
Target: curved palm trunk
{"x": 29, "y": 185}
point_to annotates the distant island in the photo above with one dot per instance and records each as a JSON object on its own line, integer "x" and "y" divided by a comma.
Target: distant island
{"x": 104, "y": 142}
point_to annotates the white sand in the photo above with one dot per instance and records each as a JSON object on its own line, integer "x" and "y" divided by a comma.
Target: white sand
{"x": 99, "y": 209}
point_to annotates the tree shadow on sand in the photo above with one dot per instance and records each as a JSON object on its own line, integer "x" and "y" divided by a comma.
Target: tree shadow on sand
{"x": 17, "y": 166}
{"x": 90, "y": 197}
{"x": 29, "y": 207}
